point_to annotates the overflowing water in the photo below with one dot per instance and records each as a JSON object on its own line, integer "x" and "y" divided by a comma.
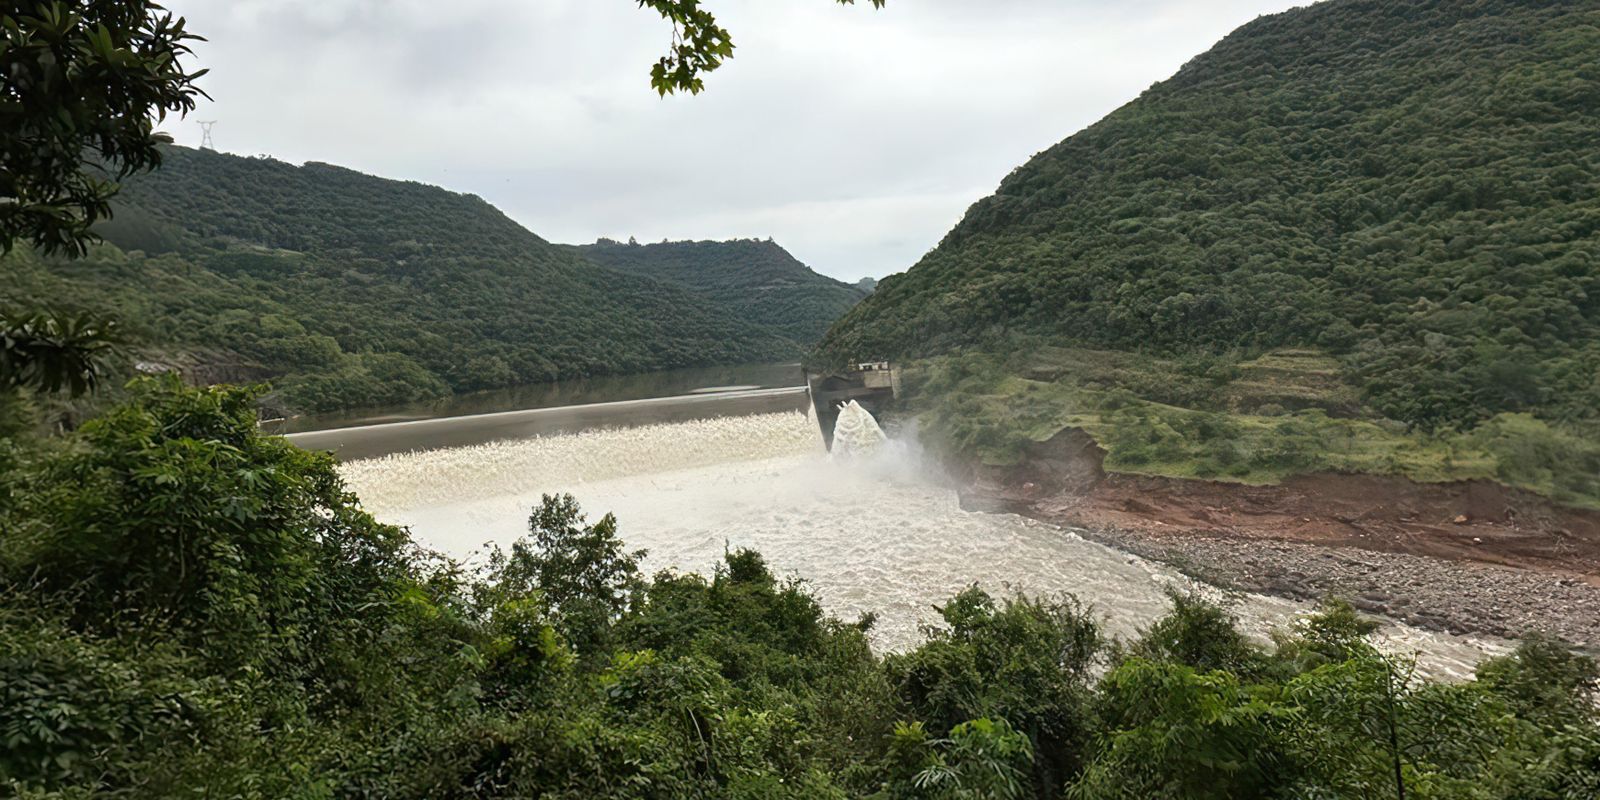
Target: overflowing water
{"x": 878, "y": 533}
{"x": 856, "y": 434}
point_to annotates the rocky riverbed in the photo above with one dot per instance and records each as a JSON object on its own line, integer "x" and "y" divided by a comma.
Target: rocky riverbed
{"x": 1462, "y": 558}
{"x": 1427, "y": 592}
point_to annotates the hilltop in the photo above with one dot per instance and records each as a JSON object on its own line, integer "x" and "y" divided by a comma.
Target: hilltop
{"x": 1404, "y": 194}
{"x": 349, "y": 289}
{"x": 759, "y": 281}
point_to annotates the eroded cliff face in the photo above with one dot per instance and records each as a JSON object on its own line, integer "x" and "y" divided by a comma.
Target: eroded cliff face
{"x": 1068, "y": 465}
{"x": 202, "y": 367}
{"x": 206, "y": 367}
{"x": 1064, "y": 479}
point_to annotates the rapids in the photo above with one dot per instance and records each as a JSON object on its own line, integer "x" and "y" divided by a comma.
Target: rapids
{"x": 877, "y": 533}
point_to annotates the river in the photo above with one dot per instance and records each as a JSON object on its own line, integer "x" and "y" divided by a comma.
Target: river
{"x": 880, "y": 533}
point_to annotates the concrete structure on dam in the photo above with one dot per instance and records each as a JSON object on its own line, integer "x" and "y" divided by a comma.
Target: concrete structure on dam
{"x": 871, "y": 384}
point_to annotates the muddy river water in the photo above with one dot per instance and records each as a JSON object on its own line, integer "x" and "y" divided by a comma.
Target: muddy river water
{"x": 878, "y": 532}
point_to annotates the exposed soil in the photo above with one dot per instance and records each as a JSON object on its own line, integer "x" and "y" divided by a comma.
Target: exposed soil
{"x": 1469, "y": 556}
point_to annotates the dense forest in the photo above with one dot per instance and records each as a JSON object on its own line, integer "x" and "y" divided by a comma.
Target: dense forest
{"x": 758, "y": 281}
{"x": 348, "y": 289}
{"x": 190, "y": 608}
{"x": 1412, "y": 187}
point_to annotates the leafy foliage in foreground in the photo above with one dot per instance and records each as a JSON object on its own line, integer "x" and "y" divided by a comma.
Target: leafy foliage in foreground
{"x": 757, "y": 281}
{"x": 52, "y": 352}
{"x": 1411, "y": 186}
{"x": 352, "y": 290}
{"x": 699, "y": 45}
{"x": 191, "y": 609}
{"x": 82, "y": 86}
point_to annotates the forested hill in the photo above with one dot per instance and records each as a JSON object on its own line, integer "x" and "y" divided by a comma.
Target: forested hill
{"x": 349, "y": 289}
{"x": 217, "y": 199}
{"x": 1411, "y": 185}
{"x": 758, "y": 280}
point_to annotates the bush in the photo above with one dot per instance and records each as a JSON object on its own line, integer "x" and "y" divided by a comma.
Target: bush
{"x": 174, "y": 511}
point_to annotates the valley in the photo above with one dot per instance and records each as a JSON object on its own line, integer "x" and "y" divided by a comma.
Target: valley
{"x": 1244, "y": 444}
{"x": 348, "y": 291}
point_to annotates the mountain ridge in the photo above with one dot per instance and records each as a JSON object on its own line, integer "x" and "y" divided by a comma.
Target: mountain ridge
{"x": 354, "y": 290}
{"x": 762, "y": 282}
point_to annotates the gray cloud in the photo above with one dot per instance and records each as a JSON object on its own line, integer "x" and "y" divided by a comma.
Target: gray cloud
{"x": 855, "y": 138}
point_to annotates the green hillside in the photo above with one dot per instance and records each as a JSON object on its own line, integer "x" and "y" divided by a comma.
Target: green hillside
{"x": 757, "y": 280}
{"x": 1409, "y": 190}
{"x": 351, "y": 289}
{"x": 1412, "y": 186}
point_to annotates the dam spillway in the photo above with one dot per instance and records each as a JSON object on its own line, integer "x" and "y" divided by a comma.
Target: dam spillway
{"x": 880, "y": 533}
{"x": 370, "y": 441}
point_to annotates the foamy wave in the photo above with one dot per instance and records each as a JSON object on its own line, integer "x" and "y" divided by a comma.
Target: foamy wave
{"x": 409, "y": 480}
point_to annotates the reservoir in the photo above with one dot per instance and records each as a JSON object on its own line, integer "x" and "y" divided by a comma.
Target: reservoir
{"x": 606, "y": 389}
{"x": 882, "y": 532}
{"x": 545, "y": 409}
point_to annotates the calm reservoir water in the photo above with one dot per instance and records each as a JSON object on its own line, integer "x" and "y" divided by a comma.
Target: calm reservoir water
{"x": 878, "y": 532}
{"x": 667, "y": 383}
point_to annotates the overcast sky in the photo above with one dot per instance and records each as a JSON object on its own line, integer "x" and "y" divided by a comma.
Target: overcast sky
{"x": 855, "y": 138}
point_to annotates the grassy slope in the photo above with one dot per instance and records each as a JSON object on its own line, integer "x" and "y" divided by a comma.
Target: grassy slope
{"x": 758, "y": 281}
{"x": 1253, "y": 421}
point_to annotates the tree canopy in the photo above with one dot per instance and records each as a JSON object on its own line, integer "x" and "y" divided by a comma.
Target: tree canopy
{"x": 82, "y": 87}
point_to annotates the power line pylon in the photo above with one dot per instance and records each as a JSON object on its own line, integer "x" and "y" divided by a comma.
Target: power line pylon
{"x": 205, "y": 138}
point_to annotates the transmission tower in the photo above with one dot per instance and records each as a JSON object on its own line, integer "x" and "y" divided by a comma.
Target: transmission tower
{"x": 205, "y": 138}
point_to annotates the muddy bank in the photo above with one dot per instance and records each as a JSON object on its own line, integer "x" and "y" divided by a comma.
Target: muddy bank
{"x": 1464, "y": 557}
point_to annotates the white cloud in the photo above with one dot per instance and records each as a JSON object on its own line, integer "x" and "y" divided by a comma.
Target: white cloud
{"x": 854, "y": 137}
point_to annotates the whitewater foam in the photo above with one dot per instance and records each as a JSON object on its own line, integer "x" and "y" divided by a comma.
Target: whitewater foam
{"x": 856, "y": 433}
{"x": 877, "y": 534}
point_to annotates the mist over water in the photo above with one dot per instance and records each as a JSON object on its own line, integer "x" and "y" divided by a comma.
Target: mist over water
{"x": 875, "y": 532}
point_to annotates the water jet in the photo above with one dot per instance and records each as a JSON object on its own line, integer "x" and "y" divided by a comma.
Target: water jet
{"x": 871, "y": 385}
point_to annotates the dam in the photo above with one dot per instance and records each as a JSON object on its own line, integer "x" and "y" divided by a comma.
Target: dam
{"x": 368, "y": 441}
{"x": 879, "y": 531}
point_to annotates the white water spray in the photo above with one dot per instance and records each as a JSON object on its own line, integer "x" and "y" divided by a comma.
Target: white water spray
{"x": 869, "y": 533}
{"x": 856, "y": 433}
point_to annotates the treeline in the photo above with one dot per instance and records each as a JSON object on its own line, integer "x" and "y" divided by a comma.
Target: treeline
{"x": 1411, "y": 186}
{"x": 287, "y": 645}
{"x": 758, "y": 281}
{"x": 350, "y": 290}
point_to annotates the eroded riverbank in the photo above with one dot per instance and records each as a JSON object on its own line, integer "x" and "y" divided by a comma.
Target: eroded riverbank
{"x": 1464, "y": 558}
